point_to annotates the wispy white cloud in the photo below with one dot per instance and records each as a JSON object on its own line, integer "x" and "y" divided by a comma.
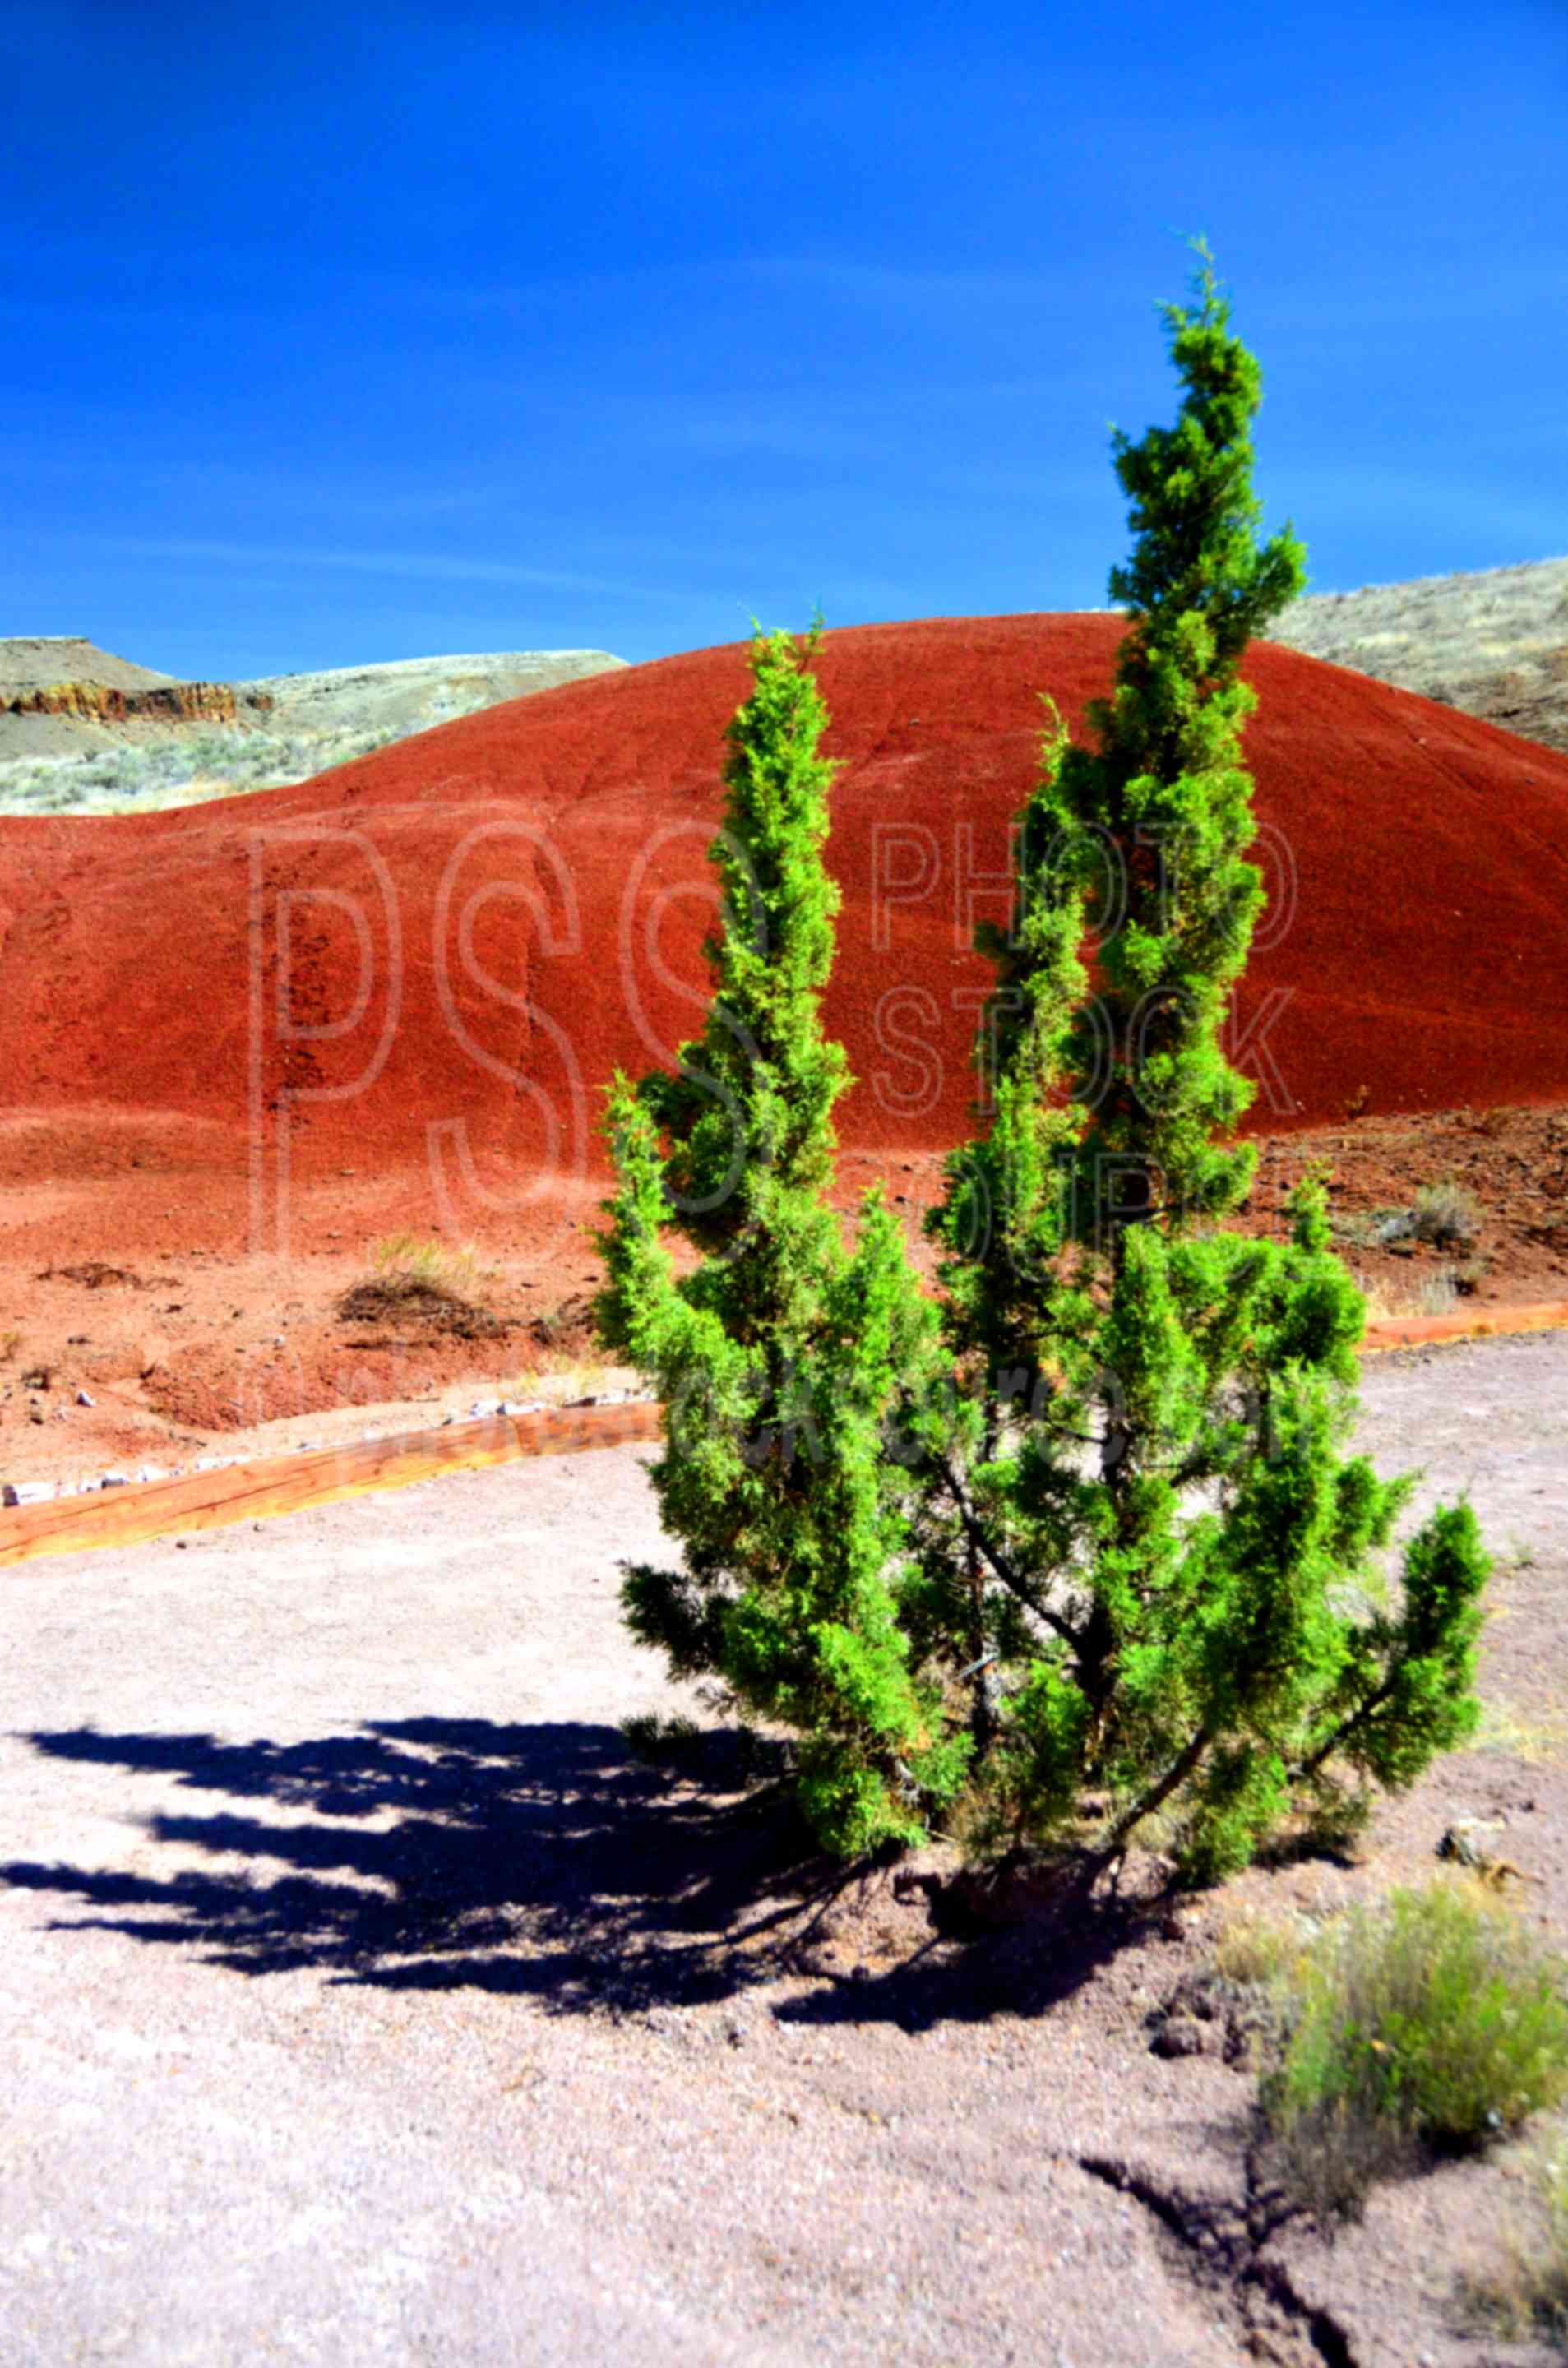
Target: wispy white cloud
{"x": 431, "y": 567}
{"x": 843, "y": 275}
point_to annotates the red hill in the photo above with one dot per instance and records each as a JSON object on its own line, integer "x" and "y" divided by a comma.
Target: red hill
{"x": 440, "y": 950}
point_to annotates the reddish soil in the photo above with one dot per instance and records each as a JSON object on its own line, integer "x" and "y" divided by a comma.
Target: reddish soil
{"x": 241, "y": 1042}
{"x": 186, "y": 1344}
{"x": 476, "y": 925}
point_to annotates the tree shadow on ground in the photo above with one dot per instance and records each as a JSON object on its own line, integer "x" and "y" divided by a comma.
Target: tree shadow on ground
{"x": 544, "y": 1861}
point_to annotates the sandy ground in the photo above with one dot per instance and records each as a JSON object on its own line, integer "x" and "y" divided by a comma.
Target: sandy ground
{"x": 361, "y": 1999}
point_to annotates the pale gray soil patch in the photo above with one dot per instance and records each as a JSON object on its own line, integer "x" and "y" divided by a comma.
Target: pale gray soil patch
{"x": 55, "y": 764}
{"x": 419, "y": 691}
{"x": 1494, "y": 644}
{"x": 361, "y": 2001}
{"x": 38, "y": 661}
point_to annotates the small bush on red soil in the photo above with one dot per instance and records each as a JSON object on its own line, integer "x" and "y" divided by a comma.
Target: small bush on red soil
{"x": 567, "y": 1328}
{"x": 429, "y": 1308}
{"x": 418, "y": 1282}
{"x": 1447, "y": 1215}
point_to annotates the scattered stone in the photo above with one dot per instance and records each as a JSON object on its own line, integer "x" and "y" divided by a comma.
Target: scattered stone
{"x": 84, "y": 1399}
{"x": 1182, "y": 2035}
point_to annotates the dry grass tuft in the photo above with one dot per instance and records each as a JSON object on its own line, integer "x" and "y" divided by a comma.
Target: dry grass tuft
{"x": 419, "y": 1281}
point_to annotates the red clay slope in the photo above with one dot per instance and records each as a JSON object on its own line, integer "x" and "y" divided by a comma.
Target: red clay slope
{"x": 442, "y": 950}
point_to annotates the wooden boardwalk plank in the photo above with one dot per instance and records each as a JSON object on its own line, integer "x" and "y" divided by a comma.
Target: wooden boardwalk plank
{"x": 241, "y": 1492}
{"x": 1479, "y": 1324}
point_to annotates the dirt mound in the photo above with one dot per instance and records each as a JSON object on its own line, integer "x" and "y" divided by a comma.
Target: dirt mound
{"x": 140, "y": 747}
{"x": 35, "y": 661}
{"x": 434, "y": 956}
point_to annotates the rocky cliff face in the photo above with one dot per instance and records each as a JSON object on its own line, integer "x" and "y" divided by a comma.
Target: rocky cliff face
{"x": 173, "y": 702}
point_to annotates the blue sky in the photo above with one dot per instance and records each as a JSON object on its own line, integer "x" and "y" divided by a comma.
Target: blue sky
{"x": 340, "y": 333}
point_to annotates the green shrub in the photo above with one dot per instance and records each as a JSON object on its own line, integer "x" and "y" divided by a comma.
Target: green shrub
{"x": 779, "y": 1356}
{"x": 1447, "y": 1215}
{"x": 1434, "y": 2021}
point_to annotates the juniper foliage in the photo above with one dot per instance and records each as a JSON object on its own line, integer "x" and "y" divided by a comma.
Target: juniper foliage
{"x": 1091, "y": 1539}
{"x": 1144, "y": 1511}
{"x": 779, "y": 1356}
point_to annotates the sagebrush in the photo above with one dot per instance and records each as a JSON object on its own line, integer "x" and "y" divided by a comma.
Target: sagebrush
{"x": 1434, "y": 2021}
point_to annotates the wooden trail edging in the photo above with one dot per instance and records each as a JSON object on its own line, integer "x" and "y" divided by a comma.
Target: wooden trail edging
{"x": 286, "y": 1484}
{"x": 241, "y": 1492}
{"x": 1492, "y": 1323}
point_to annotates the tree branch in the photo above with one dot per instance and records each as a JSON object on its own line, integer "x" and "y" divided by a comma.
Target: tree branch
{"x": 1010, "y": 1579}
{"x": 1157, "y": 1794}
{"x": 1347, "y": 1727}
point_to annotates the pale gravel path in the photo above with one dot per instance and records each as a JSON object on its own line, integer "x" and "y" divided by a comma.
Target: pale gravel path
{"x": 315, "y": 2044}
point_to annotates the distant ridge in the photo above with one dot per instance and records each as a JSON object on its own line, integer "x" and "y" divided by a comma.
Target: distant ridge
{"x": 526, "y": 892}
{"x": 275, "y": 729}
{"x": 1494, "y": 644}
{"x": 414, "y": 693}
{"x": 38, "y": 661}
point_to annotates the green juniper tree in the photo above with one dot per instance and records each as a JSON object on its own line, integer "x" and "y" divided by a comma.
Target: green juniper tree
{"x": 779, "y": 1359}
{"x": 1141, "y": 1519}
